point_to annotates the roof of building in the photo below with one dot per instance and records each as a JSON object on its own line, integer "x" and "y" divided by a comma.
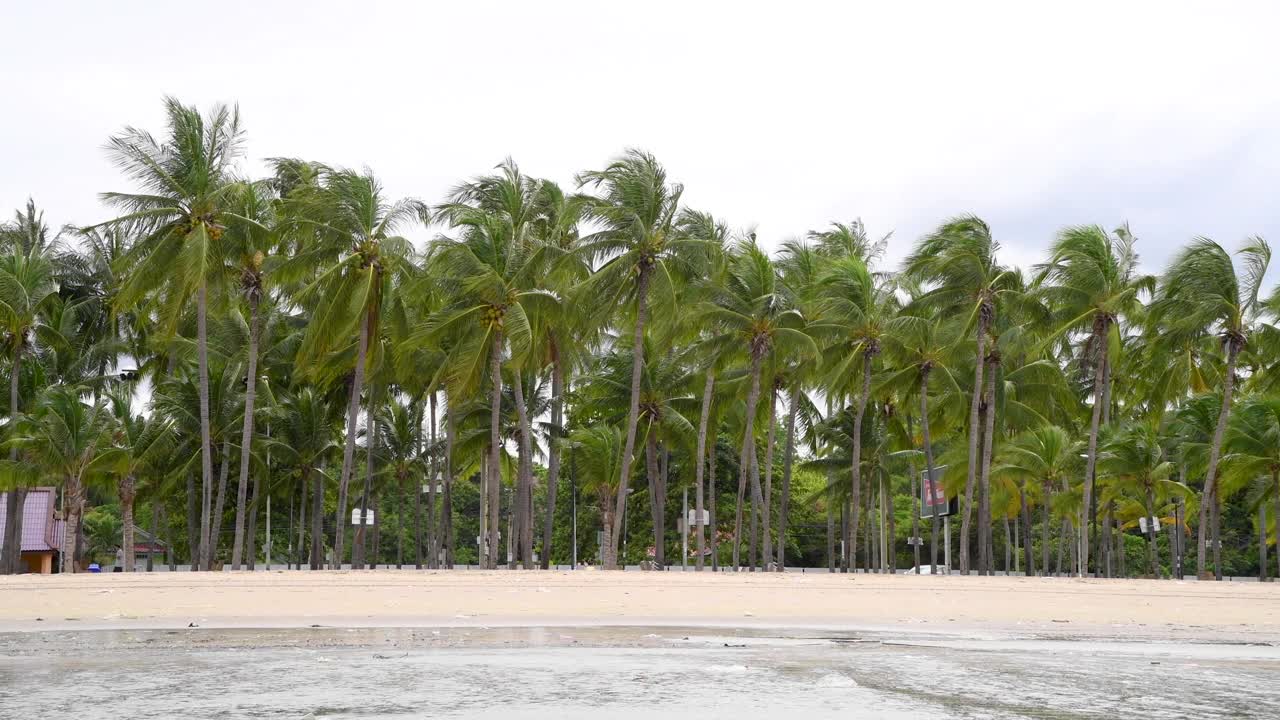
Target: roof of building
{"x": 40, "y": 532}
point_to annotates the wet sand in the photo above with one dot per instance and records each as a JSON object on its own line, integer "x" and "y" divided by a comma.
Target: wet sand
{"x": 1003, "y": 606}
{"x": 624, "y": 673}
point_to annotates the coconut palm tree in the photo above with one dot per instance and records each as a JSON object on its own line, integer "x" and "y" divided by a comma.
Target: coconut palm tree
{"x": 1092, "y": 283}
{"x": 490, "y": 274}
{"x": 178, "y": 216}
{"x": 145, "y": 445}
{"x": 355, "y": 259}
{"x": 919, "y": 350}
{"x": 1134, "y": 461}
{"x": 638, "y": 247}
{"x": 304, "y": 427}
{"x": 1046, "y": 454}
{"x": 249, "y": 237}
{"x": 959, "y": 260}
{"x": 28, "y": 290}
{"x": 1202, "y": 292}
{"x": 752, "y": 310}
{"x": 68, "y": 441}
{"x": 1252, "y": 451}
{"x": 597, "y": 450}
{"x": 557, "y": 225}
{"x": 856, "y": 311}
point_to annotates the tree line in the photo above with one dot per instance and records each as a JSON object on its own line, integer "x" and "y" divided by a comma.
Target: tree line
{"x": 555, "y": 361}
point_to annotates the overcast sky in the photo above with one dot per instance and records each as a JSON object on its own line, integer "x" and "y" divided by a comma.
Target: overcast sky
{"x": 781, "y": 115}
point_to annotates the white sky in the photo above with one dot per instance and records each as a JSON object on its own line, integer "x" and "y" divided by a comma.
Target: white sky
{"x": 1034, "y": 115}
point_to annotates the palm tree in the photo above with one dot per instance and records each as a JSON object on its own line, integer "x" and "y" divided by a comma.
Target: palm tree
{"x": 490, "y": 274}
{"x": 1252, "y": 448}
{"x": 69, "y": 441}
{"x": 248, "y": 239}
{"x": 918, "y": 347}
{"x": 704, "y": 227}
{"x": 637, "y": 247}
{"x": 357, "y": 258}
{"x": 597, "y": 452}
{"x": 1202, "y": 292}
{"x": 304, "y": 435}
{"x": 556, "y": 226}
{"x": 145, "y": 445}
{"x": 179, "y": 216}
{"x": 1048, "y": 455}
{"x": 1092, "y": 285}
{"x": 27, "y": 291}
{"x": 752, "y": 311}
{"x": 1135, "y": 462}
{"x": 856, "y": 310}
{"x": 959, "y": 258}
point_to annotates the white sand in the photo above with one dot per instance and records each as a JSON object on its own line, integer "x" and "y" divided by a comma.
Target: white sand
{"x": 388, "y": 598}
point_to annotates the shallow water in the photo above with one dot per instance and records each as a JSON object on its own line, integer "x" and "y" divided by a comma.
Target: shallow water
{"x": 607, "y": 673}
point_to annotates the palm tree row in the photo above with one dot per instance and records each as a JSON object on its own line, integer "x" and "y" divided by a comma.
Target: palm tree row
{"x": 610, "y": 344}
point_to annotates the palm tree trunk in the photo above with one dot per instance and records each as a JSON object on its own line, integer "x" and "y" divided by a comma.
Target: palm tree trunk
{"x": 766, "y": 537}
{"x": 127, "y": 495}
{"x": 974, "y": 429}
{"x": 524, "y": 486}
{"x": 553, "y": 452}
{"x": 1044, "y": 530}
{"x": 857, "y": 452}
{"x": 915, "y": 500}
{"x": 206, "y": 440}
{"x": 888, "y": 553}
{"x": 1150, "y": 509}
{"x": 73, "y": 497}
{"x": 699, "y": 501}
{"x": 446, "y": 505}
{"x": 754, "y": 534}
{"x": 317, "y": 518}
{"x": 1210, "y": 497}
{"x": 215, "y": 531}
{"x": 155, "y": 535}
{"x": 366, "y": 497}
{"x": 11, "y": 555}
{"x": 845, "y": 565}
{"x": 1102, "y": 337}
{"x": 633, "y": 416}
{"x": 400, "y": 501}
{"x": 495, "y": 450}
{"x": 193, "y": 522}
{"x": 831, "y": 532}
{"x": 1275, "y": 482}
{"x": 349, "y": 448}
{"x": 750, "y": 463}
{"x": 1028, "y": 557}
{"x": 246, "y": 434}
{"x": 655, "y": 499}
{"x": 871, "y": 556}
{"x": 935, "y": 528}
{"x": 1008, "y": 547}
{"x": 711, "y": 505}
{"x": 737, "y": 511}
{"x": 788, "y": 457}
{"x": 984, "y": 510}
{"x": 371, "y": 558}
{"x": 1262, "y": 542}
{"x": 251, "y": 523}
{"x": 434, "y": 529}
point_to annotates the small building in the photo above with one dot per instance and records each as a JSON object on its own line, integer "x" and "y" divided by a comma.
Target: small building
{"x": 41, "y": 531}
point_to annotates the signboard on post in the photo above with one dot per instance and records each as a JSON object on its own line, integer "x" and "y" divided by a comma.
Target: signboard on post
{"x": 933, "y": 497}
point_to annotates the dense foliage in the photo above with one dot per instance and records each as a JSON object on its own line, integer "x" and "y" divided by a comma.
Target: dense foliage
{"x": 560, "y": 374}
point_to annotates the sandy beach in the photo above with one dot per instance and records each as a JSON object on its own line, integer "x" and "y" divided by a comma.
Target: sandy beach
{"x": 1193, "y": 611}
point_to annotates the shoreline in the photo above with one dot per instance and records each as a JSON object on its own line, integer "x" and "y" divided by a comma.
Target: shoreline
{"x": 1064, "y": 608}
